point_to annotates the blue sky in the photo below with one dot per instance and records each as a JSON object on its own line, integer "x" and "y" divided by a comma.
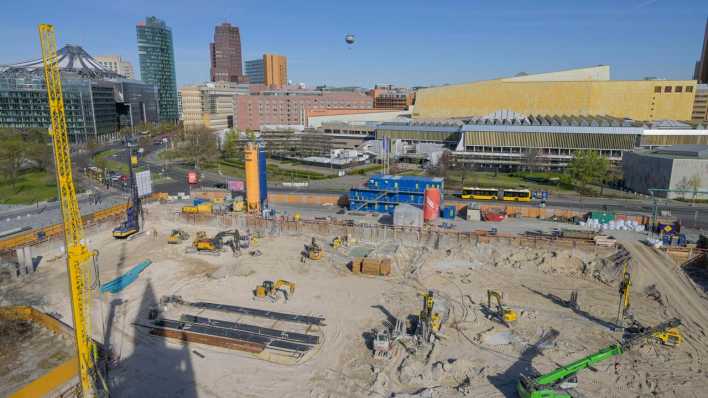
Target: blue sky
{"x": 400, "y": 42}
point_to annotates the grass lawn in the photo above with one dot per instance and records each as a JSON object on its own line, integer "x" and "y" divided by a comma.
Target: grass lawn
{"x": 107, "y": 158}
{"x": 31, "y": 187}
{"x": 485, "y": 179}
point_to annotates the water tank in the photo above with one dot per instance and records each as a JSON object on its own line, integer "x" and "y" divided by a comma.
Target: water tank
{"x": 253, "y": 192}
{"x": 431, "y": 204}
{"x": 262, "y": 180}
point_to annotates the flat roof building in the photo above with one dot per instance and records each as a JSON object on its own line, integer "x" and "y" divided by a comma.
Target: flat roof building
{"x": 582, "y": 92}
{"x": 679, "y": 167}
{"x": 288, "y": 107}
{"x": 116, "y": 64}
{"x": 210, "y": 105}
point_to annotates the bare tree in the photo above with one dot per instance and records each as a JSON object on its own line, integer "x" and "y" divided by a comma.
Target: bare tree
{"x": 683, "y": 185}
{"x": 695, "y": 184}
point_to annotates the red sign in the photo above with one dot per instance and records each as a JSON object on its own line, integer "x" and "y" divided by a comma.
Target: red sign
{"x": 192, "y": 177}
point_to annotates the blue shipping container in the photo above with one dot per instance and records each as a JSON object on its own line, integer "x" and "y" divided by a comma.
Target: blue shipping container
{"x": 404, "y": 183}
{"x": 449, "y": 212}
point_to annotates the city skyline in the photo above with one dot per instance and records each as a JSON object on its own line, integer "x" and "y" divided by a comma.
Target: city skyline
{"x": 417, "y": 45}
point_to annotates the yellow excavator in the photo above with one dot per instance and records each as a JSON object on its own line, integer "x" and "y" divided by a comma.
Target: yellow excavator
{"x": 177, "y": 236}
{"x": 338, "y": 242}
{"x": 668, "y": 336}
{"x": 504, "y": 313}
{"x": 430, "y": 319}
{"x": 215, "y": 245}
{"x": 314, "y": 251}
{"x": 273, "y": 291}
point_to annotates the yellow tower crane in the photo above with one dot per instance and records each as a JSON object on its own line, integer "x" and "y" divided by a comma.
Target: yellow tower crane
{"x": 77, "y": 253}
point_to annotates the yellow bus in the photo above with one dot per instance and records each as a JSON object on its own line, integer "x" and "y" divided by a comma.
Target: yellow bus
{"x": 480, "y": 193}
{"x": 517, "y": 195}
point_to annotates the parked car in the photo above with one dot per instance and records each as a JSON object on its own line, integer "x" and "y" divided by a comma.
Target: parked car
{"x": 220, "y": 185}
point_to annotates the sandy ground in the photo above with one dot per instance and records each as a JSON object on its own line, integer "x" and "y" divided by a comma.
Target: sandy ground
{"x": 478, "y": 357}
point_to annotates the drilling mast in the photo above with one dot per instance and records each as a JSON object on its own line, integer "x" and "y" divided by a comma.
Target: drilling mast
{"x": 77, "y": 253}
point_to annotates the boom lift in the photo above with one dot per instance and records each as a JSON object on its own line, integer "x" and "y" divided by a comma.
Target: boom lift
{"x": 558, "y": 383}
{"x": 77, "y": 253}
{"x": 131, "y": 225}
{"x": 504, "y": 313}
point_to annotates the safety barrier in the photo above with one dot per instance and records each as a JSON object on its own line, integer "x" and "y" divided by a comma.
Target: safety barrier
{"x": 39, "y": 235}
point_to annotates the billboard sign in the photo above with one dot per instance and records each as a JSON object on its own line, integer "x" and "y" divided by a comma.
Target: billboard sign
{"x": 144, "y": 182}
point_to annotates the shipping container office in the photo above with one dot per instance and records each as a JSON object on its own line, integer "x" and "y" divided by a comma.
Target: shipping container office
{"x": 405, "y": 183}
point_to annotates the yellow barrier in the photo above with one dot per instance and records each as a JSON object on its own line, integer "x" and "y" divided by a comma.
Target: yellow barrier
{"x": 55, "y": 378}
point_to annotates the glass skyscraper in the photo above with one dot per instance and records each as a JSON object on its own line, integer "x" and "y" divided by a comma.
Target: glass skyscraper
{"x": 157, "y": 64}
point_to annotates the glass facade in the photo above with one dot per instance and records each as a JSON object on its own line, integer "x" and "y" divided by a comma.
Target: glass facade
{"x": 254, "y": 71}
{"x": 24, "y": 104}
{"x": 157, "y": 64}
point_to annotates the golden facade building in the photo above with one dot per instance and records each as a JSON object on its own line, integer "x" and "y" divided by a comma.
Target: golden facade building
{"x": 275, "y": 70}
{"x": 586, "y": 91}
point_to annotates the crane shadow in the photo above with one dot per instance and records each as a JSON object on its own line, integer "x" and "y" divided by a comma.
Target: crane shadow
{"x": 155, "y": 367}
{"x": 584, "y": 314}
{"x": 506, "y": 382}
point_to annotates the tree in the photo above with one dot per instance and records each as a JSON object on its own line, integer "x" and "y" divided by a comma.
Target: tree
{"x": 13, "y": 151}
{"x": 683, "y": 185}
{"x": 199, "y": 146}
{"x": 588, "y": 167}
{"x": 695, "y": 184}
{"x": 531, "y": 159}
{"x": 230, "y": 145}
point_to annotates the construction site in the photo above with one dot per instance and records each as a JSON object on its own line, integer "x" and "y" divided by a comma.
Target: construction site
{"x": 217, "y": 294}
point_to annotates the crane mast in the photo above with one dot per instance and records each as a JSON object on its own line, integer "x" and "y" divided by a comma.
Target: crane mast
{"x": 77, "y": 253}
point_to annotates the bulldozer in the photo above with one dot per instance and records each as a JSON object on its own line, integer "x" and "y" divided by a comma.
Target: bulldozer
{"x": 273, "y": 291}
{"x": 215, "y": 245}
{"x": 177, "y": 236}
{"x": 314, "y": 251}
{"x": 505, "y": 314}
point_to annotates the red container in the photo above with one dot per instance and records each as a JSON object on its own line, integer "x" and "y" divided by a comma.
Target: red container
{"x": 491, "y": 216}
{"x": 431, "y": 204}
{"x": 192, "y": 177}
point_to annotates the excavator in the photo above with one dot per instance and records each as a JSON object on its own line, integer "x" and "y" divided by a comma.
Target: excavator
{"x": 273, "y": 291}
{"x": 338, "y": 242}
{"x": 504, "y": 313}
{"x": 177, "y": 236}
{"x": 314, "y": 251}
{"x": 560, "y": 382}
{"x": 131, "y": 225}
{"x": 669, "y": 337}
{"x": 215, "y": 245}
{"x": 430, "y": 319}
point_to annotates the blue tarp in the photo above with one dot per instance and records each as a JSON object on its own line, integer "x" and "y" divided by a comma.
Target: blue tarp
{"x": 116, "y": 285}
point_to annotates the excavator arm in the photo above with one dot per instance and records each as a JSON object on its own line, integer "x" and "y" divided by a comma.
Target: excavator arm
{"x": 548, "y": 385}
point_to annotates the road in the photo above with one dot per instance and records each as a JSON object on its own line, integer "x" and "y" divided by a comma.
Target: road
{"x": 694, "y": 217}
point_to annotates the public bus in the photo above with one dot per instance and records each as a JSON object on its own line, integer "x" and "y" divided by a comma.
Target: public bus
{"x": 517, "y": 195}
{"x": 480, "y": 193}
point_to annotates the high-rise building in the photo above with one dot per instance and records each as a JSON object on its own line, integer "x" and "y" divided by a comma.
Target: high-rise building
{"x": 254, "y": 71}
{"x": 275, "y": 70}
{"x": 701, "y": 71}
{"x": 116, "y": 64}
{"x": 225, "y": 53}
{"x": 271, "y": 70}
{"x": 157, "y": 64}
